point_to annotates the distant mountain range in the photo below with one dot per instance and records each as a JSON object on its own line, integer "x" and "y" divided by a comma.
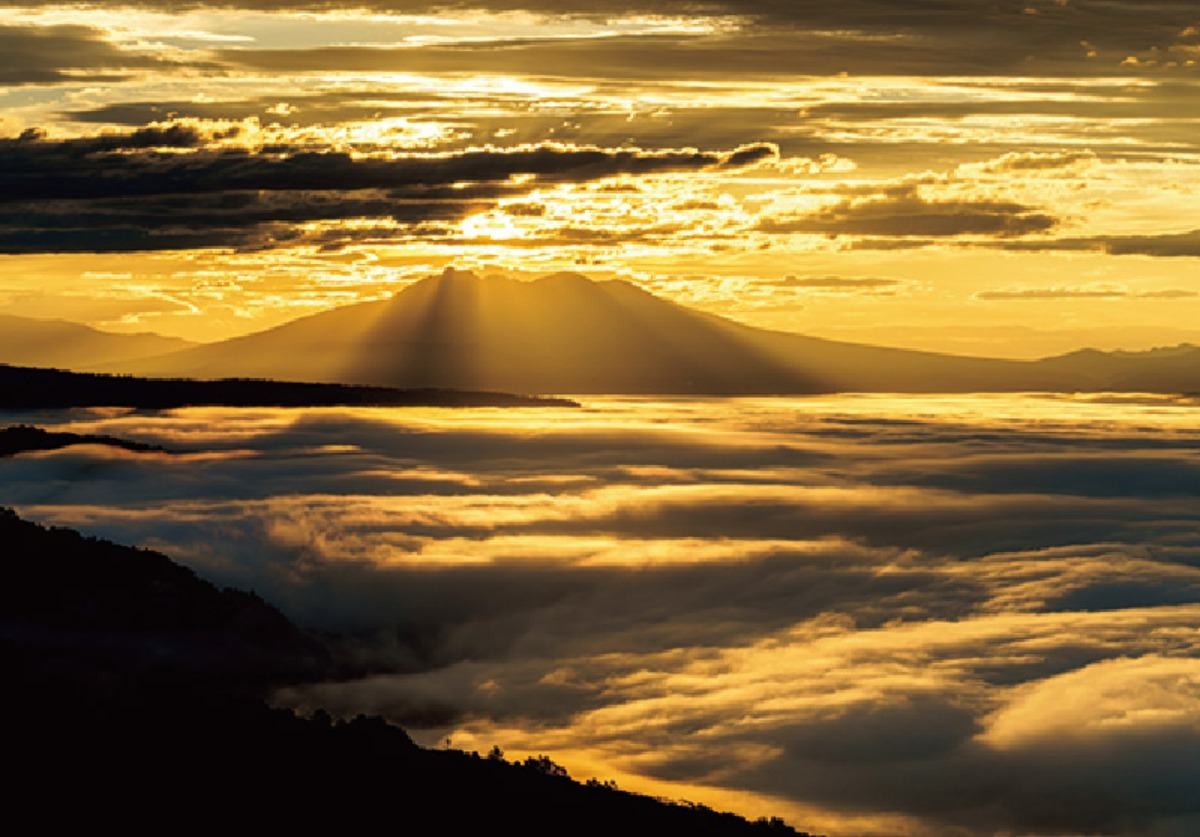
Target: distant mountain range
{"x": 25, "y": 341}
{"x": 565, "y": 333}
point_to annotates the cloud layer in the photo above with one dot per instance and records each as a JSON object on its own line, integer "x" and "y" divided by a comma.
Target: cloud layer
{"x": 167, "y": 188}
{"x": 975, "y": 619}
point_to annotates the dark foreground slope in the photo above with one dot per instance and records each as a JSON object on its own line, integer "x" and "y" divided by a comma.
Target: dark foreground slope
{"x": 132, "y": 699}
{"x": 95, "y": 626}
{"x": 24, "y": 388}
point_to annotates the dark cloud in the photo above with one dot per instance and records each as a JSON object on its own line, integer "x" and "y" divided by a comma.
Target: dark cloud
{"x": 745, "y": 53}
{"x": 1167, "y": 245}
{"x": 1170, "y": 244}
{"x": 152, "y": 197}
{"x": 908, "y": 215}
{"x": 499, "y": 120}
{"x": 864, "y": 36}
{"x": 52, "y": 54}
{"x": 1107, "y": 119}
{"x": 750, "y": 155}
{"x": 838, "y": 284}
{"x": 36, "y": 168}
{"x": 305, "y": 108}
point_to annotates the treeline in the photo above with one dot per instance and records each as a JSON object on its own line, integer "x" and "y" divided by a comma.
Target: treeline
{"x": 21, "y": 438}
{"x": 30, "y": 388}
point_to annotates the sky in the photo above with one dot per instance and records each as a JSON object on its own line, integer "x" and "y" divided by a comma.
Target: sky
{"x": 976, "y": 176}
{"x": 871, "y": 615}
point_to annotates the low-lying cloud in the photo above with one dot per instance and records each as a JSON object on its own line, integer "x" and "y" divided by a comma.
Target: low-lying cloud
{"x": 978, "y": 618}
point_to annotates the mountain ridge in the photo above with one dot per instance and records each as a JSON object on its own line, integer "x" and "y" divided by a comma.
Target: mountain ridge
{"x": 34, "y": 341}
{"x": 566, "y": 333}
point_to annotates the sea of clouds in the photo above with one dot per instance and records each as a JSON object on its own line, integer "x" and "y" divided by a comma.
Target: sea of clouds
{"x": 927, "y": 616}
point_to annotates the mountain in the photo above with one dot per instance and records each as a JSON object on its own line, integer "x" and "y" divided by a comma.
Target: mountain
{"x": 133, "y": 697}
{"x": 25, "y": 341}
{"x": 1165, "y": 369}
{"x": 26, "y": 388}
{"x": 565, "y": 333}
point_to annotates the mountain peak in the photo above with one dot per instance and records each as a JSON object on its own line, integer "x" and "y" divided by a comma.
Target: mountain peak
{"x": 567, "y": 333}
{"x": 453, "y": 274}
{"x": 463, "y": 290}
{"x": 564, "y": 278}
{"x": 559, "y": 279}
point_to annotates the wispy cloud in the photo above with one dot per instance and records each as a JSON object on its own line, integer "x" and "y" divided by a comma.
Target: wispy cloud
{"x": 1084, "y": 292}
{"x": 1168, "y": 245}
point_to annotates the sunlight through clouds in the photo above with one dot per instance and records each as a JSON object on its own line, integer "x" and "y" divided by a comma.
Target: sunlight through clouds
{"x": 876, "y": 614}
{"x": 877, "y": 97}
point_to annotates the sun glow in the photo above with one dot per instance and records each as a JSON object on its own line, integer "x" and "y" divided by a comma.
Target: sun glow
{"x": 493, "y": 226}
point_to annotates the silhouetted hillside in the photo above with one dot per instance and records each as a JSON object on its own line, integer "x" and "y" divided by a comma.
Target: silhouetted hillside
{"x": 131, "y": 701}
{"x": 23, "y": 388}
{"x": 119, "y": 623}
{"x": 21, "y": 438}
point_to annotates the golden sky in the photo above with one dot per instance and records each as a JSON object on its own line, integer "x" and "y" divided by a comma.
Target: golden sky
{"x": 1000, "y": 178}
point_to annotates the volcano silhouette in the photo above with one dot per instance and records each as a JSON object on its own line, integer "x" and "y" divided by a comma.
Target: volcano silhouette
{"x": 565, "y": 333}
